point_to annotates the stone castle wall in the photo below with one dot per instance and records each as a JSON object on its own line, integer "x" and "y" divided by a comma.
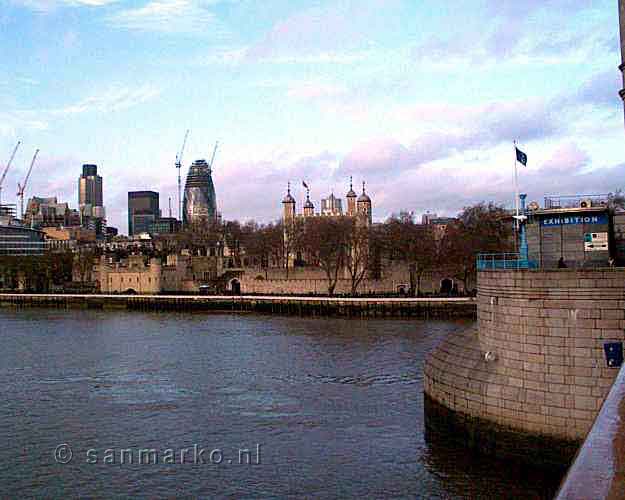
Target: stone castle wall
{"x": 313, "y": 281}
{"x": 547, "y": 375}
{"x": 317, "y": 286}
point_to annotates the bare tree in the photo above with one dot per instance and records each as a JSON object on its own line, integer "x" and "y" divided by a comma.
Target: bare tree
{"x": 358, "y": 253}
{"x": 292, "y": 241}
{"x": 263, "y": 243}
{"x": 414, "y": 244}
{"x": 325, "y": 243}
{"x": 83, "y": 264}
{"x": 482, "y": 228}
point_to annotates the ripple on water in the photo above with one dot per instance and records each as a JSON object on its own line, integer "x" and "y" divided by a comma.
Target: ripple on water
{"x": 336, "y": 404}
{"x": 363, "y": 380}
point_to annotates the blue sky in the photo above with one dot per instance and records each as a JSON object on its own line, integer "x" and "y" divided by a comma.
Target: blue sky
{"x": 420, "y": 100}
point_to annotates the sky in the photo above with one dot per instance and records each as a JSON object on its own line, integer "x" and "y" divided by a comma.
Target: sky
{"x": 420, "y": 99}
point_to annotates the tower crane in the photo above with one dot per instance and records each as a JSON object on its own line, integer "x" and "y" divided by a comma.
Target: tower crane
{"x": 6, "y": 169}
{"x": 178, "y": 166}
{"x": 214, "y": 152}
{"x": 22, "y": 187}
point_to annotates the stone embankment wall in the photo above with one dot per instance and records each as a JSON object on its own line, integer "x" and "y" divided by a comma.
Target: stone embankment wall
{"x": 546, "y": 376}
{"x": 428, "y": 308}
{"x": 599, "y": 468}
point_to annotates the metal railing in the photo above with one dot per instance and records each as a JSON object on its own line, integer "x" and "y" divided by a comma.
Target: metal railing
{"x": 489, "y": 261}
{"x": 574, "y": 201}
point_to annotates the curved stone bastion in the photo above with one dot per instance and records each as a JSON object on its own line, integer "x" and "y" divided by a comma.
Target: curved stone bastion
{"x": 529, "y": 380}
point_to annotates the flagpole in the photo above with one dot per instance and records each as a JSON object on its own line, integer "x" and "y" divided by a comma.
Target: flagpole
{"x": 516, "y": 196}
{"x": 516, "y": 182}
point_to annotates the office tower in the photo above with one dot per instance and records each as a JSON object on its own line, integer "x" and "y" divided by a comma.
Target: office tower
{"x": 200, "y": 203}
{"x": 143, "y": 210}
{"x": 90, "y": 203}
{"x": 90, "y": 187}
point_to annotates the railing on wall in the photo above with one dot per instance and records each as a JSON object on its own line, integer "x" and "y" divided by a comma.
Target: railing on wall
{"x": 575, "y": 201}
{"x": 488, "y": 261}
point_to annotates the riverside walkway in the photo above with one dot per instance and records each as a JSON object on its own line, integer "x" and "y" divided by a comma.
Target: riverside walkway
{"x": 437, "y": 307}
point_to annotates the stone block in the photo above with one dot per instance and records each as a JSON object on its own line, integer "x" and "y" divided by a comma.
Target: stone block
{"x": 556, "y": 340}
{"x": 556, "y": 331}
{"x": 558, "y": 400}
{"x": 612, "y": 324}
{"x": 587, "y": 403}
{"x": 555, "y": 322}
{"x": 559, "y": 388}
{"x": 534, "y": 367}
{"x": 580, "y": 390}
{"x": 554, "y": 378}
{"x": 589, "y": 362}
{"x": 584, "y": 342}
{"x": 612, "y": 314}
{"x": 557, "y": 369}
{"x": 535, "y": 397}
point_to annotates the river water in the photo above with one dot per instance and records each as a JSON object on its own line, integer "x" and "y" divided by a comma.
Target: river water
{"x": 241, "y": 406}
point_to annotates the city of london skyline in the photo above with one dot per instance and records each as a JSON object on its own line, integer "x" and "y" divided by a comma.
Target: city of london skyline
{"x": 420, "y": 101}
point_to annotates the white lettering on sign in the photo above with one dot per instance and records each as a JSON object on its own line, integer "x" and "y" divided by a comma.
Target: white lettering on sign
{"x": 575, "y": 219}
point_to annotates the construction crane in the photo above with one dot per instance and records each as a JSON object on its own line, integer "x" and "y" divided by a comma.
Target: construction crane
{"x": 6, "y": 169}
{"x": 22, "y": 187}
{"x": 214, "y": 152}
{"x": 178, "y": 166}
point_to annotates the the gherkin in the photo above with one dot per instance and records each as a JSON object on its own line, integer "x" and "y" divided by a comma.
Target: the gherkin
{"x": 199, "y": 203}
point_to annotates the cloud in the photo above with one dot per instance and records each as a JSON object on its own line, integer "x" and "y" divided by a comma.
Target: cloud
{"x": 311, "y": 90}
{"x": 456, "y": 131}
{"x": 335, "y": 33}
{"x": 335, "y": 58}
{"x": 447, "y": 189}
{"x": 44, "y": 6}
{"x": 170, "y": 16}
{"x": 241, "y": 180}
{"x": 602, "y": 90}
{"x": 16, "y": 121}
{"x": 444, "y": 186}
{"x": 524, "y": 32}
{"x": 49, "y": 176}
{"x": 522, "y": 9}
{"x": 378, "y": 158}
{"x": 567, "y": 159}
{"x": 115, "y": 98}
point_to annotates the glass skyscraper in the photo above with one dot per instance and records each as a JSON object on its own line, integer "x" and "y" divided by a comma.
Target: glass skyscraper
{"x": 143, "y": 210}
{"x": 200, "y": 201}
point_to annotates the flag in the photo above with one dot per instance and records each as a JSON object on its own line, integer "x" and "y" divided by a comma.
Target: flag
{"x": 521, "y": 157}
{"x": 305, "y": 185}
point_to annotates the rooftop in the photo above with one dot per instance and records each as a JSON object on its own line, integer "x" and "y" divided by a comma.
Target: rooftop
{"x": 572, "y": 210}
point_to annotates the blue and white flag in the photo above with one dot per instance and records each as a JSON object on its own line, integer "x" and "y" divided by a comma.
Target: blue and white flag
{"x": 521, "y": 157}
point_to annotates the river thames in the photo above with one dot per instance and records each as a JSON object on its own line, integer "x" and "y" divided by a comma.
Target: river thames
{"x": 229, "y": 405}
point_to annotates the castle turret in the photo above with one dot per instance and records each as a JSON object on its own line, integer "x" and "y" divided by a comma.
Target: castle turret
{"x": 364, "y": 204}
{"x": 309, "y": 208}
{"x": 288, "y": 205}
{"x": 351, "y": 199}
